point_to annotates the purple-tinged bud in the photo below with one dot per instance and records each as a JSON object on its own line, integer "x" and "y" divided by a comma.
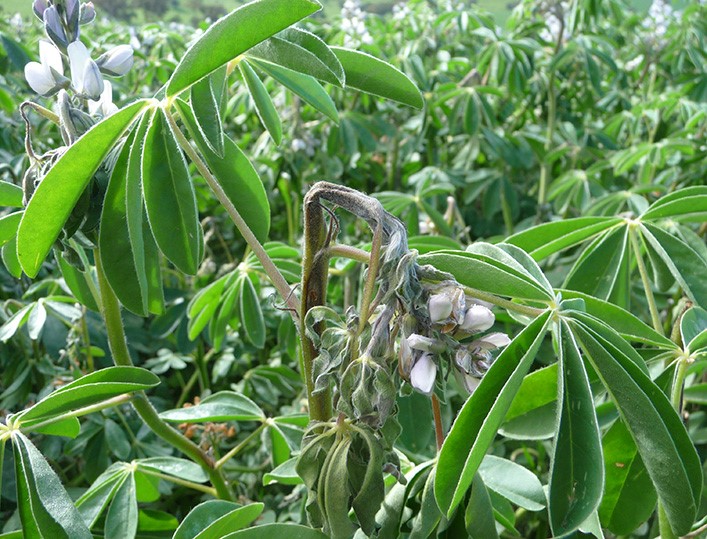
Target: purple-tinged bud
{"x": 87, "y": 13}
{"x": 423, "y": 374}
{"x": 92, "y": 81}
{"x": 477, "y": 319}
{"x": 54, "y": 28}
{"x": 72, "y": 10}
{"x": 39, "y": 7}
{"x": 117, "y": 61}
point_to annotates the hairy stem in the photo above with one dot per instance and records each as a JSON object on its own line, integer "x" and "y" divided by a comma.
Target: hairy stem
{"x": 276, "y": 278}
{"x": 178, "y": 481}
{"x": 439, "y": 428}
{"x": 237, "y": 449}
{"x": 655, "y": 316}
{"x": 110, "y": 310}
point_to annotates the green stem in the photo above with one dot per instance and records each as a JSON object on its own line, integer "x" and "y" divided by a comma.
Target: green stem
{"x": 655, "y": 316}
{"x": 666, "y": 531}
{"x": 550, "y": 134}
{"x": 237, "y": 449}
{"x": 178, "y": 481}
{"x": 86, "y": 340}
{"x": 276, "y": 278}
{"x": 501, "y": 302}
{"x": 369, "y": 287}
{"x": 110, "y": 309}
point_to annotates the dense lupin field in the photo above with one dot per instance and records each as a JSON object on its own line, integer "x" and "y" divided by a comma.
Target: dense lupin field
{"x": 383, "y": 270}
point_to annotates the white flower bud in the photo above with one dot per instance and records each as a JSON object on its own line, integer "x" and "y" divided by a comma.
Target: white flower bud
{"x": 117, "y": 61}
{"x": 405, "y": 358}
{"x": 423, "y": 374}
{"x": 477, "y": 319}
{"x": 491, "y": 341}
{"x": 447, "y": 306}
{"x": 85, "y": 76}
{"x": 420, "y": 342}
{"x": 53, "y": 27}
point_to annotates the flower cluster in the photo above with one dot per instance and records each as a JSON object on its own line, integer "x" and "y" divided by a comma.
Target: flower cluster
{"x": 62, "y": 22}
{"x": 453, "y": 317}
{"x": 353, "y": 24}
{"x": 660, "y": 15}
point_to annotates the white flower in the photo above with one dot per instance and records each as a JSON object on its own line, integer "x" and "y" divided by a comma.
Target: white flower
{"x": 46, "y": 76}
{"x": 477, "y": 319}
{"x": 469, "y": 382}
{"x": 423, "y": 374}
{"x": 103, "y": 106}
{"x": 85, "y": 75}
{"x": 447, "y": 306}
{"x": 491, "y": 341}
{"x": 420, "y": 342}
{"x": 117, "y": 61}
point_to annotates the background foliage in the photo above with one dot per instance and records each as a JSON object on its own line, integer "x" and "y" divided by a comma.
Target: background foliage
{"x": 575, "y": 132}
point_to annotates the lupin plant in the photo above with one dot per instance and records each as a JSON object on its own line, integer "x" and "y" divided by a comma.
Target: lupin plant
{"x": 116, "y": 204}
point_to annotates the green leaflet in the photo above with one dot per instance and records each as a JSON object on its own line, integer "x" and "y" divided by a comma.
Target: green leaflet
{"x": 543, "y": 240}
{"x": 301, "y": 51}
{"x": 479, "y": 419}
{"x": 661, "y": 438}
{"x": 251, "y": 313}
{"x": 597, "y": 270}
{"x": 263, "y": 103}
{"x": 686, "y": 265}
{"x": 9, "y": 225}
{"x": 577, "y": 470}
{"x": 169, "y": 197}
{"x": 268, "y": 531}
{"x": 89, "y": 389}
{"x": 145, "y": 254}
{"x": 178, "y": 467}
{"x": 234, "y": 34}
{"x": 305, "y": 86}
{"x": 479, "y": 519}
{"x": 10, "y": 195}
{"x": 121, "y": 519}
{"x": 62, "y": 187}
{"x": 45, "y": 508}
{"x": 236, "y": 176}
{"x": 207, "y": 110}
{"x": 513, "y": 482}
{"x": 689, "y": 204}
{"x": 221, "y": 406}
{"x": 373, "y": 76}
{"x": 482, "y": 272}
{"x": 629, "y": 496}
{"x": 216, "y": 519}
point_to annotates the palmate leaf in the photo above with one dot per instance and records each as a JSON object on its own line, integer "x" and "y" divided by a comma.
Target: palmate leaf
{"x": 478, "y": 421}
{"x": 688, "y": 205}
{"x": 122, "y": 516}
{"x": 233, "y": 35}
{"x": 216, "y": 519}
{"x": 663, "y": 443}
{"x": 57, "y": 194}
{"x": 46, "y": 510}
